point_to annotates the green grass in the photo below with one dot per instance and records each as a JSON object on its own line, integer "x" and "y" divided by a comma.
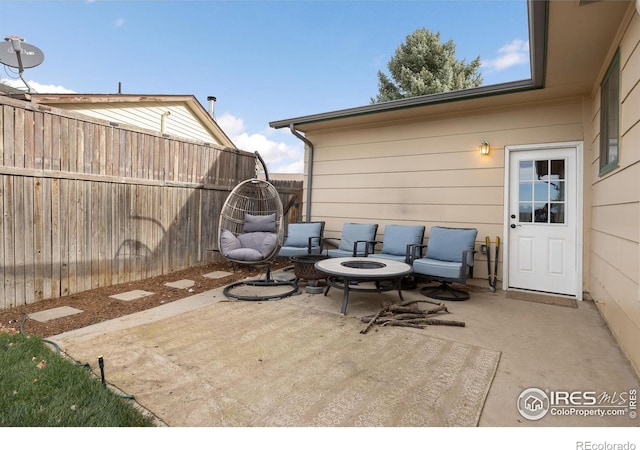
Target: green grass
{"x": 40, "y": 388}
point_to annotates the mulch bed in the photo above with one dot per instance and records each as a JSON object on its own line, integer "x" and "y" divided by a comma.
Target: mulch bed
{"x": 97, "y": 307}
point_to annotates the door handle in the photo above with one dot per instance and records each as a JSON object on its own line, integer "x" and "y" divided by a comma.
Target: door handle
{"x": 513, "y": 225}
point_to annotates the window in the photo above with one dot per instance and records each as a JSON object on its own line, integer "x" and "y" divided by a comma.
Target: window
{"x": 542, "y": 191}
{"x": 609, "y": 117}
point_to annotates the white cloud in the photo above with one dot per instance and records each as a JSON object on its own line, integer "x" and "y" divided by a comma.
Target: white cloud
{"x": 37, "y": 87}
{"x": 512, "y": 54}
{"x": 118, "y": 22}
{"x": 230, "y": 124}
{"x": 294, "y": 167}
{"x": 280, "y": 157}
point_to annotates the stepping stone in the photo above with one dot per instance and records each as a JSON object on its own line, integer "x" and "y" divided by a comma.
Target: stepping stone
{"x": 131, "y": 295}
{"x": 217, "y": 274}
{"x": 181, "y": 284}
{"x": 284, "y": 276}
{"x": 54, "y": 313}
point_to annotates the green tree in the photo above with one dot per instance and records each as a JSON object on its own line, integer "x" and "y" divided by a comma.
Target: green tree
{"x": 423, "y": 65}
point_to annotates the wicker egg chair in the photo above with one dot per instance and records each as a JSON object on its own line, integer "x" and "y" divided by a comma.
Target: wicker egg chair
{"x": 251, "y": 232}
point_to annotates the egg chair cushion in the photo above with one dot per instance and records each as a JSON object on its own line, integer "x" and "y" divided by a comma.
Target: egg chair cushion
{"x": 260, "y": 241}
{"x": 259, "y": 223}
{"x": 254, "y": 246}
{"x": 228, "y": 242}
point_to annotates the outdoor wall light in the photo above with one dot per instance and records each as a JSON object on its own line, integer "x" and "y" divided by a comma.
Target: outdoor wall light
{"x": 484, "y": 148}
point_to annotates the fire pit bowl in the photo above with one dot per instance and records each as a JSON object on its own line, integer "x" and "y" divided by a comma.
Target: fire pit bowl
{"x": 304, "y": 267}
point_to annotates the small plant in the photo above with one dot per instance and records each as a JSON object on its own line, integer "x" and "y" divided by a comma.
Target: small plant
{"x": 39, "y": 388}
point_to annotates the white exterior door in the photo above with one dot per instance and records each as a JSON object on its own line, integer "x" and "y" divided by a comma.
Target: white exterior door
{"x": 544, "y": 238}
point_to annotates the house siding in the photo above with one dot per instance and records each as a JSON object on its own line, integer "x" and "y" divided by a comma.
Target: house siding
{"x": 615, "y": 210}
{"x": 180, "y": 123}
{"x": 429, "y": 171}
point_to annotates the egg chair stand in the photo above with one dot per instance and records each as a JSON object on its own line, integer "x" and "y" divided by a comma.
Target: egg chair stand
{"x": 251, "y": 232}
{"x": 268, "y": 283}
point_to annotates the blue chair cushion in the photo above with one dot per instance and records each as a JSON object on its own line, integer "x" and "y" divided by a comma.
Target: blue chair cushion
{"x": 337, "y": 253}
{"x": 437, "y": 268}
{"x": 352, "y": 232}
{"x": 299, "y": 234}
{"x": 400, "y": 258}
{"x": 259, "y": 223}
{"x": 288, "y": 252}
{"x": 397, "y": 237}
{"x": 448, "y": 244}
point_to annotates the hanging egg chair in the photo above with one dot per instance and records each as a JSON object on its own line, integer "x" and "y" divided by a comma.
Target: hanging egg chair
{"x": 251, "y": 232}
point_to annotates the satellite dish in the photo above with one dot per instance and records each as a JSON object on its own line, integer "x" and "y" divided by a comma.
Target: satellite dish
{"x": 31, "y": 55}
{"x": 15, "y": 53}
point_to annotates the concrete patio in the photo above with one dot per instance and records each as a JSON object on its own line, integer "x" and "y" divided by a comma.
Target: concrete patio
{"x": 557, "y": 349}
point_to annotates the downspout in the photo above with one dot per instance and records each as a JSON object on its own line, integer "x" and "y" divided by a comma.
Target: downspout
{"x": 295, "y": 132}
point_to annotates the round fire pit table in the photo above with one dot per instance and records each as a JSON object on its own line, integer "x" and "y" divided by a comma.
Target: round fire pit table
{"x": 342, "y": 271}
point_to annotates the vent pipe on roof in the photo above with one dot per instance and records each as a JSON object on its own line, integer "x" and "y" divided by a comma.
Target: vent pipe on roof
{"x": 163, "y": 118}
{"x": 212, "y": 102}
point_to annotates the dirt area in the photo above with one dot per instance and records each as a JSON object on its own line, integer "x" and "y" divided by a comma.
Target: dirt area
{"x": 97, "y": 307}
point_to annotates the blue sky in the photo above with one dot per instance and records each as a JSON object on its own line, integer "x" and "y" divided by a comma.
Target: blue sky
{"x": 262, "y": 60}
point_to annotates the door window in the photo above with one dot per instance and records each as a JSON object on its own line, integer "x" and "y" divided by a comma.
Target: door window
{"x": 542, "y": 191}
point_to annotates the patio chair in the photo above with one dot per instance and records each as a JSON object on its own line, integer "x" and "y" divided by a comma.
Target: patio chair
{"x": 448, "y": 259}
{"x": 303, "y": 238}
{"x": 303, "y": 246}
{"x": 398, "y": 241}
{"x": 250, "y": 232}
{"x": 355, "y": 239}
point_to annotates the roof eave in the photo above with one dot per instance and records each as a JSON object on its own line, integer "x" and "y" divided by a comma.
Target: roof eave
{"x": 414, "y": 102}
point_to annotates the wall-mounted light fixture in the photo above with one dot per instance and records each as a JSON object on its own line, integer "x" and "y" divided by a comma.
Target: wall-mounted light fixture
{"x": 484, "y": 148}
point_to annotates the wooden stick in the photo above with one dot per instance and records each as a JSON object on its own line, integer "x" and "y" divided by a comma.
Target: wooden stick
{"x": 404, "y": 309}
{"x": 453, "y": 323}
{"x": 411, "y": 302}
{"x": 407, "y": 316}
{"x": 402, "y": 323}
{"x": 370, "y": 324}
{"x": 388, "y": 321}
{"x": 442, "y": 308}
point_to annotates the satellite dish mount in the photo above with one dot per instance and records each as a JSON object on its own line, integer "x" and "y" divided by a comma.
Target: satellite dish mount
{"x": 15, "y": 53}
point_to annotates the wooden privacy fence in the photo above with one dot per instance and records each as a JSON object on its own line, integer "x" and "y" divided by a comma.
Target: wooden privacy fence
{"x": 291, "y": 195}
{"x": 87, "y": 203}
